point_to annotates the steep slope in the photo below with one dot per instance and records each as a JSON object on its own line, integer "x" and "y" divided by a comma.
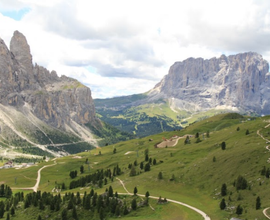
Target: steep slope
{"x": 38, "y": 108}
{"x": 192, "y": 173}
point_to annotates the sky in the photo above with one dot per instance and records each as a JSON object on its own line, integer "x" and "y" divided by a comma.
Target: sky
{"x": 123, "y": 47}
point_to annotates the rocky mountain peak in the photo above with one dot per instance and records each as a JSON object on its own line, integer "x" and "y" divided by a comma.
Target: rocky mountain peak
{"x": 238, "y": 82}
{"x": 40, "y": 95}
{"x": 21, "y": 50}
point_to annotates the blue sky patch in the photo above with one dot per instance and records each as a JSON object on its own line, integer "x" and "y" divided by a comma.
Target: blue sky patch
{"x": 16, "y": 15}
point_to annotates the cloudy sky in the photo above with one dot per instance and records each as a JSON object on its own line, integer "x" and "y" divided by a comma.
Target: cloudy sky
{"x": 122, "y": 47}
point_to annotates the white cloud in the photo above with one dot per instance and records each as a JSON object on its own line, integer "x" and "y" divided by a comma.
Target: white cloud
{"x": 120, "y": 47}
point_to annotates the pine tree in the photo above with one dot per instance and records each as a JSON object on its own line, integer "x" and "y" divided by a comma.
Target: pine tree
{"x": 187, "y": 140}
{"x": 222, "y": 204}
{"x": 223, "y": 145}
{"x": 160, "y": 176}
{"x": 147, "y": 167}
{"x": 141, "y": 165}
{"x": 82, "y": 169}
{"x": 241, "y": 183}
{"x": 239, "y": 210}
{"x": 2, "y": 209}
{"x": 74, "y": 213}
{"x": 263, "y": 171}
{"x": 247, "y": 132}
{"x": 224, "y": 190}
{"x": 8, "y": 216}
{"x": 101, "y": 213}
{"x": 147, "y": 194}
{"x": 12, "y": 211}
{"x": 64, "y": 214}
{"x": 146, "y": 157}
{"x": 134, "y": 204}
{"x": 132, "y": 171}
{"x": 135, "y": 190}
{"x": 110, "y": 192}
{"x": 258, "y": 203}
{"x": 39, "y": 217}
{"x": 267, "y": 173}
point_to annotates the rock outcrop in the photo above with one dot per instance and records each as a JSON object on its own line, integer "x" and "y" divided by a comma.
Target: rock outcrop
{"x": 60, "y": 102}
{"x": 237, "y": 82}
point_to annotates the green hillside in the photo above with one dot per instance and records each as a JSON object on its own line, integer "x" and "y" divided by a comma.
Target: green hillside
{"x": 138, "y": 116}
{"x": 193, "y": 173}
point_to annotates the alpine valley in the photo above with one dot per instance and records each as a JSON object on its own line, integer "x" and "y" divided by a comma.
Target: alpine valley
{"x": 194, "y": 147}
{"x": 193, "y": 89}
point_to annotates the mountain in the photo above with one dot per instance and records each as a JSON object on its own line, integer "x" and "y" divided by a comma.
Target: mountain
{"x": 193, "y": 90}
{"x": 41, "y": 113}
{"x": 237, "y": 82}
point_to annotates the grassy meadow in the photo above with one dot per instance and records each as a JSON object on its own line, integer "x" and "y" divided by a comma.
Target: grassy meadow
{"x": 199, "y": 170}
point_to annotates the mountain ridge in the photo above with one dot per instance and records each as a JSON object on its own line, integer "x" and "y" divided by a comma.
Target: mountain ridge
{"x": 39, "y": 108}
{"x": 196, "y": 88}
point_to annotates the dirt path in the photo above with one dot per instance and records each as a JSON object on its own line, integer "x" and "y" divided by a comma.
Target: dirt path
{"x": 204, "y": 215}
{"x": 35, "y": 187}
{"x": 267, "y": 147}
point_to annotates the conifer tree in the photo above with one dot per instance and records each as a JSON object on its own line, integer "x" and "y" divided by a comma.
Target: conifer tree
{"x": 239, "y": 210}
{"x": 135, "y": 190}
{"x": 134, "y": 204}
{"x": 141, "y": 165}
{"x": 132, "y": 171}
{"x": 64, "y": 214}
{"x": 222, "y": 204}
{"x": 224, "y": 190}
{"x": 12, "y": 211}
{"x": 74, "y": 213}
{"x": 110, "y": 192}
{"x": 223, "y": 145}
{"x": 258, "y": 203}
{"x": 160, "y": 176}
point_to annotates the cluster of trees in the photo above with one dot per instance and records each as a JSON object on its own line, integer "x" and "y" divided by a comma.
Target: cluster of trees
{"x": 5, "y": 191}
{"x": 98, "y": 178}
{"x": 146, "y": 167}
{"x": 9, "y": 204}
{"x": 241, "y": 184}
{"x": 92, "y": 205}
{"x": 265, "y": 172}
{"x": 73, "y": 174}
{"x": 197, "y": 137}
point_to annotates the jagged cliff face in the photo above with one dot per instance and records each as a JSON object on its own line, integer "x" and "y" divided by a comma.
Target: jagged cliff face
{"x": 60, "y": 102}
{"x": 238, "y": 82}
{"x": 56, "y": 100}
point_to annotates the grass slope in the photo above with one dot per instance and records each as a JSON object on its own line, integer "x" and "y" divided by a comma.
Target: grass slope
{"x": 198, "y": 178}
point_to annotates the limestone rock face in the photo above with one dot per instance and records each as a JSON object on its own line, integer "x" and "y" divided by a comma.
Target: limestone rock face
{"x": 237, "y": 82}
{"x": 58, "y": 101}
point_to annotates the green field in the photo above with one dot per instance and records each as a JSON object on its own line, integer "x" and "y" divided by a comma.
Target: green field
{"x": 199, "y": 169}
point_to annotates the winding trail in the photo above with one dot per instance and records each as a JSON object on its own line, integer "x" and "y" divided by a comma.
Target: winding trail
{"x": 267, "y": 147}
{"x": 35, "y": 187}
{"x": 203, "y": 214}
